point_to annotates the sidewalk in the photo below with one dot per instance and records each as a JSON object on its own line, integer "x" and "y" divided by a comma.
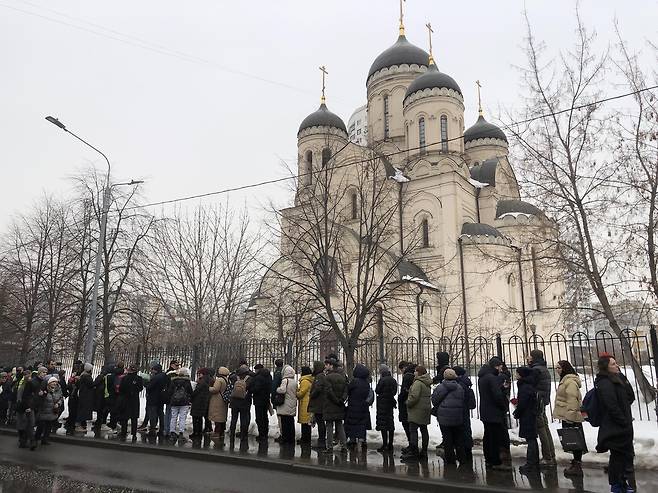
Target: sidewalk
{"x": 361, "y": 465}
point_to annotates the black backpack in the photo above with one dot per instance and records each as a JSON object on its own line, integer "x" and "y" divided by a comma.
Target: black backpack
{"x": 592, "y": 408}
{"x": 179, "y": 396}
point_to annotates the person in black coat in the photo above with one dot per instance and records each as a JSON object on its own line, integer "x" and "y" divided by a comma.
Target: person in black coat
{"x": 99, "y": 396}
{"x": 544, "y": 384}
{"x": 26, "y": 408}
{"x": 86, "y": 396}
{"x": 316, "y": 402}
{"x": 469, "y": 404}
{"x": 156, "y": 398}
{"x": 72, "y": 387}
{"x": 493, "y": 408}
{"x": 615, "y": 396}
{"x": 357, "y": 414}
{"x": 442, "y": 363}
{"x": 128, "y": 400}
{"x": 407, "y": 370}
{"x": 386, "y": 390}
{"x": 240, "y": 406}
{"x": 260, "y": 387}
{"x": 526, "y": 411}
{"x": 199, "y": 402}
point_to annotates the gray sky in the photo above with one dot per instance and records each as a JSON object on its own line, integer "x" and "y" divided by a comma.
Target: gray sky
{"x": 154, "y": 84}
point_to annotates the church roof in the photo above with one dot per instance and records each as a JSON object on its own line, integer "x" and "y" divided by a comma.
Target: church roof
{"x": 514, "y": 206}
{"x": 482, "y": 129}
{"x": 485, "y": 172}
{"x": 401, "y": 53}
{"x": 480, "y": 229}
{"x": 431, "y": 79}
{"x": 322, "y": 117}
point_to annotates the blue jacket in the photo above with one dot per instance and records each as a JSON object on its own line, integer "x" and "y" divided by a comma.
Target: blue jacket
{"x": 448, "y": 397}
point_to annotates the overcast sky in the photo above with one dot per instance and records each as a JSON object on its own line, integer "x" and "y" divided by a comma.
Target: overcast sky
{"x": 199, "y": 96}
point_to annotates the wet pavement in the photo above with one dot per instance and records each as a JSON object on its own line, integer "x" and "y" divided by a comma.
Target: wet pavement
{"x": 366, "y": 461}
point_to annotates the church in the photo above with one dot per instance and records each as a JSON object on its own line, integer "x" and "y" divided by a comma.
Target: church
{"x": 417, "y": 230}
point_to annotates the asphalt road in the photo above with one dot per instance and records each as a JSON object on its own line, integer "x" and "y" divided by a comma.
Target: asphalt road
{"x": 63, "y": 468}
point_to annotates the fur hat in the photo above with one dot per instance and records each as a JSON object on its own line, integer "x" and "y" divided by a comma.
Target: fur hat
{"x": 383, "y": 369}
{"x": 184, "y": 372}
{"x": 53, "y": 379}
{"x": 449, "y": 374}
{"x": 88, "y": 367}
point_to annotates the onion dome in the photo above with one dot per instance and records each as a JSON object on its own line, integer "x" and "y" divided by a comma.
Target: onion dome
{"x": 322, "y": 118}
{"x": 401, "y": 53}
{"x": 483, "y": 130}
{"x": 432, "y": 79}
{"x": 516, "y": 207}
{"x": 480, "y": 229}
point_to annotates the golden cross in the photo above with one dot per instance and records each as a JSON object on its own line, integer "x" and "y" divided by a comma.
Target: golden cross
{"x": 477, "y": 83}
{"x": 430, "y": 32}
{"x": 323, "y": 69}
{"x": 402, "y": 18}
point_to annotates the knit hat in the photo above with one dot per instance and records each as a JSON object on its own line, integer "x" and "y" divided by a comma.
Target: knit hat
{"x": 42, "y": 369}
{"x": 442, "y": 359}
{"x": 53, "y": 379}
{"x": 383, "y": 369}
{"x": 318, "y": 367}
{"x": 495, "y": 361}
{"x": 243, "y": 370}
{"x": 459, "y": 370}
{"x": 88, "y": 367}
{"x": 524, "y": 371}
{"x": 223, "y": 371}
{"x": 184, "y": 372}
{"x": 449, "y": 374}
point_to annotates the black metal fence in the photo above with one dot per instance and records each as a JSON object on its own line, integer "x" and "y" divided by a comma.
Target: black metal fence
{"x": 635, "y": 353}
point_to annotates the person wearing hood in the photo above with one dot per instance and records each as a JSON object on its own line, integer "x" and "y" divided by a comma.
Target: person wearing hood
{"x": 386, "y": 390}
{"x": 357, "y": 414}
{"x": 304, "y": 417}
{"x": 50, "y": 403}
{"x": 287, "y": 410}
{"x": 180, "y": 396}
{"x": 419, "y": 407}
{"x": 568, "y": 401}
{"x": 156, "y": 398}
{"x": 543, "y": 382}
{"x": 334, "y": 405}
{"x": 442, "y": 362}
{"x": 316, "y": 402}
{"x": 86, "y": 395}
{"x": 260, "y": 388}
{"x": 526, "y": 412}
{"x": 200, "y": 402}
{"x": 407, "y": 370}
{"x": 493, "y": 409}
{"x": 615, "y": 396}
{"x": 240, "y": 403}
{"x": 128, "y": 401}
{"x": 469, "y": 404}
{"x": 217, "y": 406}
{"x": 448, "y": 399}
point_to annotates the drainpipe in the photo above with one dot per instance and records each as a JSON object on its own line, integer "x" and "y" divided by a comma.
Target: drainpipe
{"x": 464, "y": 314}
{"x": 477, "y": 202}
{"x": 400, "y": 218}
{"x": 420, "y": 345}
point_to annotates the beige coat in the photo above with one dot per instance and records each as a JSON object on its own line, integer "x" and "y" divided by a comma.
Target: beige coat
{"x": 568, "y": 400}
{"x": 288, "y": 388}
{"x": 217, "y": 408}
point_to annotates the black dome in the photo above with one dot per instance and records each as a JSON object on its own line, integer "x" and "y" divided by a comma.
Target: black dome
{"x": 480, "y": 229}
{"x": 511, "y": 206}
{"x": 322, "y": 118}
{"x": 483, "y": 130}
{"x": 431, "y": 79}
{"x": 485, "y": 172}
{"x": 401, "y": 53}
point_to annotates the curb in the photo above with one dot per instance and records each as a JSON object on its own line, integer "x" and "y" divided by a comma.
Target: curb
{"x": 287, "y": 466}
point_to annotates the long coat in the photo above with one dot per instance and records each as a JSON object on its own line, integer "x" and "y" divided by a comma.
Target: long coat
{"x": 200, "y": 398}
{"x": 615, "y": 396}
{"x": 407, "y": 380}
{"x": 156, "y": 389}
{"x": 335, "y": 387}
{"x": 527, "y": 407}
{"x": 288, "y": 388}
{"x": 418, "y": 403}
{"x": 128, "y": 401}
{"x": 357, "y": 414}
{"x": 86, "y": 396}
{"x": 217, "y": 407}
{"x": 260, "y": 387}
{"x": 303, "y": 398}
{"x": 317, "y": 394}
{"x": 493, "y": 402}
{"x": 543, "y": 380}
{"x": 386, "y": 390}
{"x": 568, "y": 399}
{"x": 448, "y": 397}
{"x": 50, "y": 405}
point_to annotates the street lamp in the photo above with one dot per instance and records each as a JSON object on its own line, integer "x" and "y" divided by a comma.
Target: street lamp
{"x": 91, "y": 327}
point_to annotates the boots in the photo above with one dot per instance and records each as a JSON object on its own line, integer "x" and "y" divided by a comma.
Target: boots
{"x": 411, "y": 455}
{"x": 575, "y": 469}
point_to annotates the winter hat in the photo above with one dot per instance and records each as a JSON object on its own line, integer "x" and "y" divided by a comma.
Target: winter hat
{"x": 203, "y": 371}
{"x": 53, "y": 379}
{"x": 495, "y": 361}
{"x": 442, "y": 359}
{"x": 449, "y": 374}
{"x": 88, "y": 367}
{"x": 3, "y": 374}
{"x": 42, "y": 369}
{"x": 306, "y": 370}
{"x": 524, "y": 371}
{"x": 132, "y": 368}
{"x": 383, "y": 369}
{"x": 459, "y": 370}
{"x": 318, "y": 367}
{"x": 243, "y": 370}
{"x": 259, "y": 366}
{"x": 223, "y": 371}
{"x": 157, "y": 367}
{"x": 184, "y": 372}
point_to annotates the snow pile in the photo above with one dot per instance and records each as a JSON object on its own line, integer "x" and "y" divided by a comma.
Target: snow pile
{"x": 399, "y": 176}
{"x": 419, "y": 281}
{"x": 477, "y": 184}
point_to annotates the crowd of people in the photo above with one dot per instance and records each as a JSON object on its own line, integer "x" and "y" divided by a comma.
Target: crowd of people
{"x": 337, "y": 404}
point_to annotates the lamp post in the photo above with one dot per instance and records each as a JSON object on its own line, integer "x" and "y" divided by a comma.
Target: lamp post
{"x": 91, "y": 327}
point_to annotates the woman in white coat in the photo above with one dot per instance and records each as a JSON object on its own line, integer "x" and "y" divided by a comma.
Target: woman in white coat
{"x": 288, "y": 409}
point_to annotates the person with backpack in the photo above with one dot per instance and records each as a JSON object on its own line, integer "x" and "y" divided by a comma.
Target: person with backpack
{"x": 128, "y": 401}
{"x": 304, "y": 417}
{"x": 544, "y": 381}
{"x": 469, "y": 404}
{"x": 419, "y": 407}
{"x": 180, "y": 390}
{"x": 240, "y": 404}
{"x": 407, "y": 370}
{"x": 288, "y": 409}
{"x": 386, "y": 390}
{"x": 218, "y": 404}
{"x": 357, "y": 414}
{"x": 528, "y": 405}
{"x": 568, "y": 401}
{"x": 493, "y": 411}
{"x": 200, "y": 402}
{"x": 448, "y": 400}
{"x": 156, "y": 398}
{"x": 333, "y": 409}
{"x": 316, "y": 402}
{"x": 615, "y": 396}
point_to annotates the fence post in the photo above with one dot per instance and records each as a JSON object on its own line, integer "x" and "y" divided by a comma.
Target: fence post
{"x": 499, "y": 347}
{"x": 654, "y": 353}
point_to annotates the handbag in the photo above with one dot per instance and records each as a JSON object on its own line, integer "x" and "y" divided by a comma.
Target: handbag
{"x": 572, "y": 439}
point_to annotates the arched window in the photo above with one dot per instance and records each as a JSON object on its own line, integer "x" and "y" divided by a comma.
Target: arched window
{"x": 386, "y": 115}
{"x": 425, "y": 232}
{"x": 511, "y": 290}
{"x": 444, "y": 133}
{"x": 421, "y": 134}
{"x": 309, "y": 157}
{"x": 326, "y": 156}
{"x": 355, "y": 205}
{"x": 309, "y": 166}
